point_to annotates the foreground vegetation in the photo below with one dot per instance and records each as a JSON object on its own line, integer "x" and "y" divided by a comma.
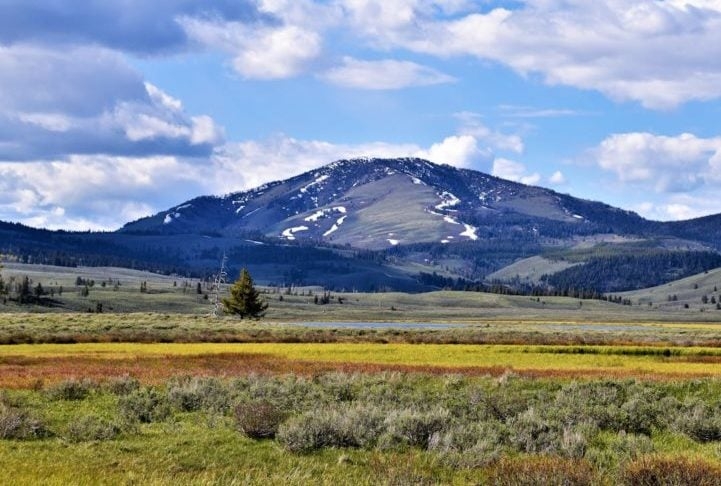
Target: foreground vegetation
{"x": 388, "y": 428}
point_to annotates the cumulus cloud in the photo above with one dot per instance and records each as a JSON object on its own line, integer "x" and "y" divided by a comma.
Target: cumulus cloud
{"x": 677, "y": 207}
{"x": 661, "y": 163}
{"x": 92, "y": 192}
{"x": 87, "y": 100}
{"x": 384, "y": 74}
{"x": 457, "y": 150}
{"x": 557, "y": 178}
{"x": 258, "y": 52}
{"x": 247, "y": 164}
{"x": 514, "y": 171}
{"x": 612, "y": 46}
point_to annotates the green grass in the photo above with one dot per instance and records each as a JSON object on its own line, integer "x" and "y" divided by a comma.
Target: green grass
{"x": 404, "y": 429}
{"x": 176, "y": 295}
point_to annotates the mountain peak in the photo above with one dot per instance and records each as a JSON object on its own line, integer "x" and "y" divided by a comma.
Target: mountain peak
{"x": 375, "y": 203}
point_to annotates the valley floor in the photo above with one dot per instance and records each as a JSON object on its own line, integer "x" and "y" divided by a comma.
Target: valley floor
{"x": 439, "y": 388}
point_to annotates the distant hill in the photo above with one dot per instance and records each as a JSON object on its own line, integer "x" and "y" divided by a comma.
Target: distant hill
{"x": 405, "y": 224}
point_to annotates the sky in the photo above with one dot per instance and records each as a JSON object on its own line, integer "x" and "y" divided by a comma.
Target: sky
{"x": 111, "y": 110}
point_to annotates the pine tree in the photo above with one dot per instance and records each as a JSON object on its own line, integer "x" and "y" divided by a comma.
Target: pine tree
{"x": 244, "y": 299}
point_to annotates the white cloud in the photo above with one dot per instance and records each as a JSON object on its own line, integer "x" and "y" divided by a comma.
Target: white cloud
{"x": 93, "y": 192}
{"x": 248, "y": 164}
{"x": 89, "y": 100}
{"x": 385, "y": 74}
{"x": 557, "y": 178}
{"x": 660, "y": 53}
{"x": 679, "y": 207}
{"x": 53, "y": 122}
{"x": 513, "y": 111}
{"x": 514, "y": 171}
{"x": 259, "y": 52}
{"x": 471, "y": 125}
{"x": 456, "y": 150}
{"x": 164, "y": 119}
{"x": 661, "y": 163}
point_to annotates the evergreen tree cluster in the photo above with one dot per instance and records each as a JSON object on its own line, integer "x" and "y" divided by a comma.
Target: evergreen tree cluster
{"x": 617, "y": 273}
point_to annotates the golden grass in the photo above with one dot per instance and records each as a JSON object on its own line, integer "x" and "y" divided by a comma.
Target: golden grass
{"x": 20, "y": 365}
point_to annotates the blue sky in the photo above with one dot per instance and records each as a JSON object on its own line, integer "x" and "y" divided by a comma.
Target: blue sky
{"x": 113, "y": 110}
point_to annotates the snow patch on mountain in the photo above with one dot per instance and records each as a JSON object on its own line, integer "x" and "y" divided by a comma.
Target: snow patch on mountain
{"x": 448, "y": 200}
{"x": 470, "y": 232}
{"x": 322, "y": 213}
{"x": 335, "y": 227}
{"x": 289, "y": 233}
{"x": 317, "y": 181}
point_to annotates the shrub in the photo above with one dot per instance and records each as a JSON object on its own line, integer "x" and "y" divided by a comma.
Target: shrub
{"x": 415, "y": 429}
{"x": 17, "y": 424}
{"x": 290, "y": 393}
{"x": 660, "y": 470}
{"x": 535, "y": 470}
{"x": 331, "y": 427}
{"x": 258, "y": 419}
{"x": 469, "y": 445}
{"x": 700, "y": 422}
{"x": 123, "y": 385}
{"x": 532, "y": 432}
{"x": 144, "y": 405}
{"x": 642, "y": 413}
{"x": 190, "y": 394}
{"x": 339, "y": 386}
{"x": 91, "y": 428}
{"x": 71, "y": 390}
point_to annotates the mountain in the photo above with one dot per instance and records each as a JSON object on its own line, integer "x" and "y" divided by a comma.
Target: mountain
{"x": 380, "y": 203}
{"x": 405, "y": 224}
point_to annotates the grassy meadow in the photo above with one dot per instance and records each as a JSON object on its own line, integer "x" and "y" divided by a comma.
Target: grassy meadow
{"x": 437, "y": 388}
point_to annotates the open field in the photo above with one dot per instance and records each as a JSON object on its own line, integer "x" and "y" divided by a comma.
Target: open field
{"x": 387, "y": 388}
{"x": 118, "y": 291}
{"x": 26, "y": 365}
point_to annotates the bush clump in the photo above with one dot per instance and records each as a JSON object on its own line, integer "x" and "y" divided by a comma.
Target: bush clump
{"x": 700, "y": 421}
{"x": 671, "y": 471}
{"x": 144, "y": 405}
{"x": 469, "y": 445}
{"x": 332, "y": 427}
{"x": 546, "y": 470}
{"x": 123, "y": 385}
{"x": 18, "y": 424}
{"x": 91, "y": 428}
{"x": 71, "y": 390}
{"x": 191, "y": 394}
{"x": 258, "y": 419}
{"x": 413, "y": 428}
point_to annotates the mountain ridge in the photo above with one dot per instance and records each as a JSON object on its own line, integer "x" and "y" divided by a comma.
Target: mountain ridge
{"x": 402, "y": 224}
{"x": 309, "y": 205}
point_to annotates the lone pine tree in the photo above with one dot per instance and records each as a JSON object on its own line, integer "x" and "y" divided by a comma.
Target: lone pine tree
{"x": 244, "y": 299}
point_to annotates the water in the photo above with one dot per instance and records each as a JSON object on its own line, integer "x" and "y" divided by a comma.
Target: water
{"x": 377, "y": 325}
